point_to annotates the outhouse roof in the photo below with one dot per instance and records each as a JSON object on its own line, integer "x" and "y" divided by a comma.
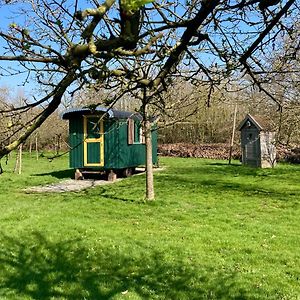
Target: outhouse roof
{"x": 109, "y": 112}
{"x": 260, "y": 123}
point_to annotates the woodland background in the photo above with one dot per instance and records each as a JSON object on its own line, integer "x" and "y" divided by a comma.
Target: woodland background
{"x": 206, "y": 133}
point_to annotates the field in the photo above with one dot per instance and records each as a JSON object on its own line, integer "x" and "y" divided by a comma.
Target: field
{"x": 214, "y": 232}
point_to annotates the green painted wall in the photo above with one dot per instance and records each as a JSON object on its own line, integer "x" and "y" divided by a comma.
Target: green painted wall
{"x": 93, "y": 153}
{"x": 76, "y": 142}
{"x": 117, "y": 153}
{"x": 111, "y": 145}
{"x": 154, "y": 146}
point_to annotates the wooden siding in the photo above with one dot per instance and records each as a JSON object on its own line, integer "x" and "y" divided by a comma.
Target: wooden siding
{"x": 112, "y": 144}
{"x": 268, "y": 149}
{"x": 118, "y": 154}
{"x": 93, "y": 154}
{"x": 250, "y": 146}
{"x": 258, "y": 148}
{"x": 76, "y": 142}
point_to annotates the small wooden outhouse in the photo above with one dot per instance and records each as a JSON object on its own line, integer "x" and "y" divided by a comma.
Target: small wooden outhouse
{"x": 257, "y": 142}
{"x": 107, "y": 139}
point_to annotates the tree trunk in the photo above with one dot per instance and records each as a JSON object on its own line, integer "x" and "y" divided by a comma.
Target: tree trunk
{"x": 53, "y": 105}
{"x": 149, "y": 165}
{"x": 232, "y": 135}
{"x": 58, "y": 144}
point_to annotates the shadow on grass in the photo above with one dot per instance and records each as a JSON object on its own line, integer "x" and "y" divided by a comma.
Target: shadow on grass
{"x": 224, "y": 163}
{"x": 220, "y": 186}
{"x": 62, "y": 174}
{"x": 38, "y": 268}
{"x": 221, "y": 177}
{"x": 69, "y": 173}
{"x": 219, "y": 169}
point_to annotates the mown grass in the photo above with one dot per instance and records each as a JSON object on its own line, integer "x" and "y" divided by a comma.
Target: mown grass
{"x": 214, "y": 232}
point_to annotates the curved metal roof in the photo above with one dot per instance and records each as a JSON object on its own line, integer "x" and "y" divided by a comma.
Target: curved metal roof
{"x": 108, "y": 112}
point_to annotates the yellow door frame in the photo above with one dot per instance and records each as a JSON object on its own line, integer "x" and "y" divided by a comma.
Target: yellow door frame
{"x": 87, "y": 140}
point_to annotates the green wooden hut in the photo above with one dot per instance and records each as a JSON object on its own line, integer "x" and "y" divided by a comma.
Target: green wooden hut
{"x": 107, "y": 139}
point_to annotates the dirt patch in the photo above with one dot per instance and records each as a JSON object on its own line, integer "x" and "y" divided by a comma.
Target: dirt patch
{"x": 69, "y": 185}
{"x": 72, "y": 185}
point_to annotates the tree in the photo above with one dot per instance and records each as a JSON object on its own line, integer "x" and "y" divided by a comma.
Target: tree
{"x": 282, "y": 81}
{"x": 131, "y": 47}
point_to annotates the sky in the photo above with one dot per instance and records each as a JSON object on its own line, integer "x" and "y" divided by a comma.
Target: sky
{"x": 8, "y": 16}
{"x": 15, "y": 82}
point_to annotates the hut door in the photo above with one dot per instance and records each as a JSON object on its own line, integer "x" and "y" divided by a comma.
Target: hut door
{"x": 93, "y": 141}
{"x": 252, "y": 148}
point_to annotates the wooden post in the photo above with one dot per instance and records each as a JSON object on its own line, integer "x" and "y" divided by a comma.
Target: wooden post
{"x": 232, "y": 135}
{"x": 18, "y": 165}
{"x": 9, "y": 154}
{"x": 78, "y": 175}
{"x": 20, "y": 159}
{"x": 112, "y": 176}
{"x": 36, "y": 148}
{"x": 30, "y": 147}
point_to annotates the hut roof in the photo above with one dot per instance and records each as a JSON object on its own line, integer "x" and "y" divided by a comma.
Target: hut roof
{"x": 263, "y": 124}
{"x": 109, "y": 112}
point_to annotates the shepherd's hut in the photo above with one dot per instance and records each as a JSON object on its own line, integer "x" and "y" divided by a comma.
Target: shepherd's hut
{"x": 105, "y": 139}
{"x": 257, "y": 142}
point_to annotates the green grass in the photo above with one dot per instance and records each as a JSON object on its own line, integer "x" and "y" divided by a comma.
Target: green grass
{"x": 214, "y": 232}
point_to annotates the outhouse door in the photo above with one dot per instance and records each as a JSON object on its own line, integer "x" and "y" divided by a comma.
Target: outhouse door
{"x": 93, "y": 144}
{"x": 251, "y": 150}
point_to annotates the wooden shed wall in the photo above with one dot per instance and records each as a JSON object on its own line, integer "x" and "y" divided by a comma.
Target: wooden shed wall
{"x": 268, "y": 149}
{"x": 250, "y": 147}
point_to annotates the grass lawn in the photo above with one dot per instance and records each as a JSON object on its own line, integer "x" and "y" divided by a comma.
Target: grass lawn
{"x": 214, "y": 232}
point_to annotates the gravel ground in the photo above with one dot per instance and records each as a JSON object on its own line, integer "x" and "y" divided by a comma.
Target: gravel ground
{"x": 72, "y": 185}
{"x": 69, "y": 185}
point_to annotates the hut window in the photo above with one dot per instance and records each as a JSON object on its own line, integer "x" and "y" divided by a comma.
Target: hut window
{"x": 93, "y": 128}
{"x": 135, "y": 132}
